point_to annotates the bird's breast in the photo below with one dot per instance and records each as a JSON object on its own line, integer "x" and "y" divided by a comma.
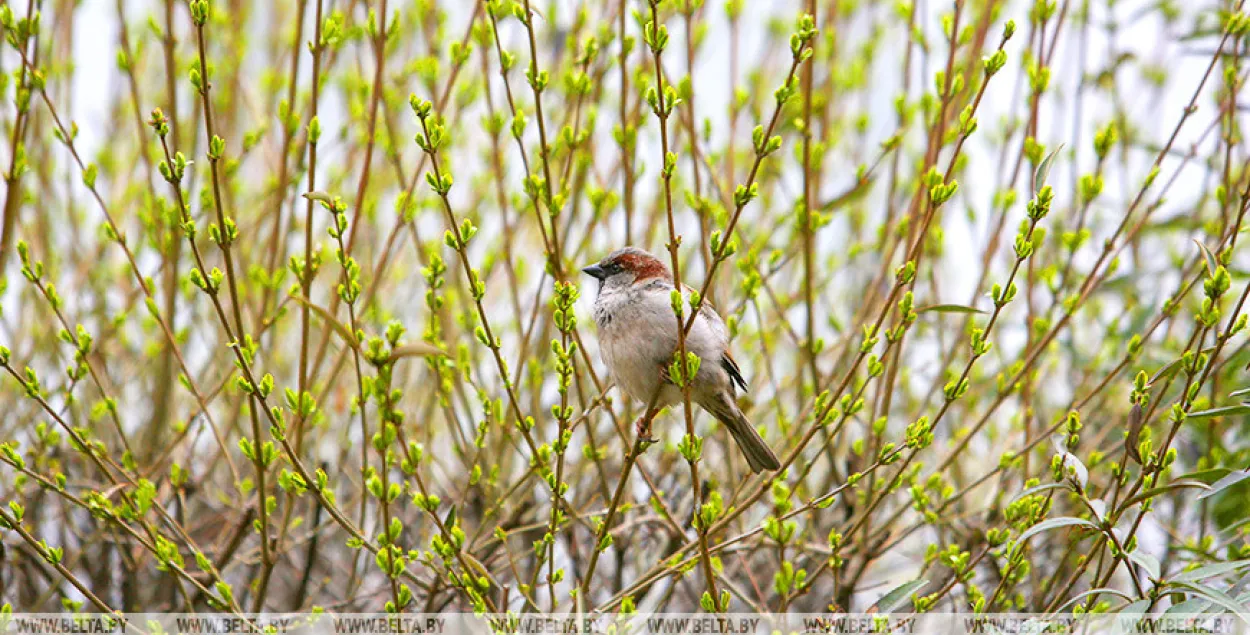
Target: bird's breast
{"x": 637, "y": 339}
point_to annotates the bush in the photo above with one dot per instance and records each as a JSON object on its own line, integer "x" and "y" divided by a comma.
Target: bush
{"x": 264, "y": 350}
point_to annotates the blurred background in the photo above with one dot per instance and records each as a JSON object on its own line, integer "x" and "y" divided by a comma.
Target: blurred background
{"x": 1129, "y": 111}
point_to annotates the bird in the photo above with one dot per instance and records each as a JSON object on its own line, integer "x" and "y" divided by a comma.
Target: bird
{"x": 637, "y": 328}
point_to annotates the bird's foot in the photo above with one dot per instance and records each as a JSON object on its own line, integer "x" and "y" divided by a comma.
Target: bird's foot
{"x": 642, "y": 428}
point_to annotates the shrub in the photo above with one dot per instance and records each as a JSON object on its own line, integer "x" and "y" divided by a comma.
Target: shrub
{"x": 292, "y": 314}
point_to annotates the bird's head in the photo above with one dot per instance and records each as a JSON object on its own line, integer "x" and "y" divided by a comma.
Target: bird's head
{"x": 627, "y": 266}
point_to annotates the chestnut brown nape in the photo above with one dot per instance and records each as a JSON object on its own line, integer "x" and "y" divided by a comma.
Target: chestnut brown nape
{"x": 641, "y": 263}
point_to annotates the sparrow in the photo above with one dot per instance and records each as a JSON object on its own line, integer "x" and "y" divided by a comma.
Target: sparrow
{"x": 638, "y": 336}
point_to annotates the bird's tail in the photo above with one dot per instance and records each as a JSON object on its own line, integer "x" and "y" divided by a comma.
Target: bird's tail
{"x": 759, "y": 455}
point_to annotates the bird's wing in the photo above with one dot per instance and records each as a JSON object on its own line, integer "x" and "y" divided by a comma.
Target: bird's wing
{"x": 731, "y": 367}
{"x": 708, "y": 312}
{"x": 708, "y": 315}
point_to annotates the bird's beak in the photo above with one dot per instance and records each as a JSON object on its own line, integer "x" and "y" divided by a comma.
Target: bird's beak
{"x": 594, "y": 271}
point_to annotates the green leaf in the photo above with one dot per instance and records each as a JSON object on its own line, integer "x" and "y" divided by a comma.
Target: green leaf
{"x": 1212, "y": 263}
{"x": 1171, "y": 368}
{"x": 1054, "y": 523}
{"x": 414, "y": 349}
{"x": 1240, "y": 393}
{"x": 948, "y": 308}
{"x": 1219, "y": 597}
{"x": 1080, "y": 472}
{"x": 1163, "y": 489}
{"x": 1147, "y": 562}
{"x": 320, "y": 197}
{"x": 1188, "y": 607}
{"x": 900, "y": 596}
{"x": 329, "y": 319}
{"x": 1206, "y": 476}
{"x": 1223, "y": 411}
{"x": 1040, "y": 488}
{"x": 1043, "y": 169}
{"x": 1073, "y": 600}
{"x": 1165, "y": 372}
{"x": 1209, "y": 571}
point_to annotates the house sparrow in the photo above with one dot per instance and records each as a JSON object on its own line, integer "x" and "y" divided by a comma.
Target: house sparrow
{"x": 638, "y": 335}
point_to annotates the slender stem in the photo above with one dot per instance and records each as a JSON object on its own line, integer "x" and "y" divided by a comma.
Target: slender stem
{"x": 309, "y": 270}
{"x": 239, "y": 337}
{"x": 662, "y": 106}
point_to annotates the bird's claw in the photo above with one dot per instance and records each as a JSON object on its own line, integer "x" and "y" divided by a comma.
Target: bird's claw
{"x": 642, "y": 428}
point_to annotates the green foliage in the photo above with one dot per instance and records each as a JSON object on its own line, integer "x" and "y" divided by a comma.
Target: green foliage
{"x": 299, "y": 320}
